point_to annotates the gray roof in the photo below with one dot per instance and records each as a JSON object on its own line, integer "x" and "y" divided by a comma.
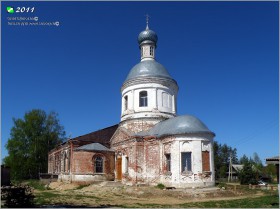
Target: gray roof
{"x": 147, "y": 35}
{"x": 93, "y": 147}
{"x": 237, "y": 167}
{"x": 148, "y": 68}
{"x": 178, "y": 125}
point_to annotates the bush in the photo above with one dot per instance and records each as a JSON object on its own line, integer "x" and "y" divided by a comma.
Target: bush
{"x": 17, "y": 196}
{"x": 248, "y": 175}
{"x": 160, "y": 186}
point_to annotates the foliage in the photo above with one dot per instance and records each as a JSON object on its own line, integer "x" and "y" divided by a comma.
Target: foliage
{"x": 249, "y": 174}
{"x": 31, "y": 139}
{"x": 160, "y": 186}
{"x": 36, "y": 184}
{"x": 270, "y": 171}
{"x": 20, "y": 196}
{"x": 221, "y": 158}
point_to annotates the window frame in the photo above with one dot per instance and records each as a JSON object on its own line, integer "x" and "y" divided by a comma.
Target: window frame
{"x": 186, "y": 162}
{"x": 101, "y": 160}
{"x": 151, "y": 51}
{"x": 168, "y": 162}
{"x": 125, "y": 102}
{"x": 143, "y": 99}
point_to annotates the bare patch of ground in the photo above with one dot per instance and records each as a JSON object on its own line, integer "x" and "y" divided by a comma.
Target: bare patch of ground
{"x": 102, "y": 195}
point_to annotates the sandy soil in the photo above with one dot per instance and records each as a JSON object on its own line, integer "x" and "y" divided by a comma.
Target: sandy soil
{"x": 102, "y": 195}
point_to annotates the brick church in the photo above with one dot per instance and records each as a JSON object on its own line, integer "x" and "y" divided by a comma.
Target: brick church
{"x": 151, "y": 144}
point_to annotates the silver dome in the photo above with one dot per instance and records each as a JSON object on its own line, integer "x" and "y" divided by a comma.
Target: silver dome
{"x": 148, "y": 68}
{"x": 147, "y": 35}
{"x": 184, "y": 124}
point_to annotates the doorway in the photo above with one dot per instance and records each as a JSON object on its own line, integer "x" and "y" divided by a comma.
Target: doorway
{"x": 119, "y": 168}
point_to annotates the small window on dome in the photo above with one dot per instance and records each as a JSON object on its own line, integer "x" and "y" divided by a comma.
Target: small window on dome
{"x": 152, "y": 51}
{"x": 141, "y": 51}
{"x": 125, "y": 102}
{"x": 143, "y": 99}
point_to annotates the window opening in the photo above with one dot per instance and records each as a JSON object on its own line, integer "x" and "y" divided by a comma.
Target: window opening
{"x": 186, "y": 161}
{"x": 98, "y": 165}
{"x": 143, "y": 99}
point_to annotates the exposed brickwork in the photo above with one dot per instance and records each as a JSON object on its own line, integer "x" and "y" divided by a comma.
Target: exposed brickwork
{"x": 65, "y": 161}
{"x": 83, "y": 162}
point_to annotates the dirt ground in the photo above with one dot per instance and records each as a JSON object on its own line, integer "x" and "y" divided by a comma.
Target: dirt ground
{"x": 110, "y": 195}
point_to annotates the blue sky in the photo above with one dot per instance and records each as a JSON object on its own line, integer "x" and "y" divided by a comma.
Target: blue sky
{"x": 224, "y": 56}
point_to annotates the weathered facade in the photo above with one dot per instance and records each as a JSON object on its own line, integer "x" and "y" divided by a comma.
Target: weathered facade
{"x": 85, "y": 158}
{"x": 151, "y": 144}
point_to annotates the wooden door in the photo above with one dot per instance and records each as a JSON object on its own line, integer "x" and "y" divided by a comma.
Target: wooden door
{"x": 119, "y": 168}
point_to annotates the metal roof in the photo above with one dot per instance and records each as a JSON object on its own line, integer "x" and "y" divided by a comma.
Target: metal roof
{"x": 237, "y": 167}
{"x": 147, "y": 35}
{"x": 148, "y": 68}
{"x": 93, "y": 147}
{"x": 178, "y": 125}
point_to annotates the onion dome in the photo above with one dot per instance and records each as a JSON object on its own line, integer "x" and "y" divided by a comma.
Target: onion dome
{"x": 147, "y": 36}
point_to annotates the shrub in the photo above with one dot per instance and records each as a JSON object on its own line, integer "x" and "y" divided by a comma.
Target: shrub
{"x": 160, "y": 186}
{"x": 17, "y": 196}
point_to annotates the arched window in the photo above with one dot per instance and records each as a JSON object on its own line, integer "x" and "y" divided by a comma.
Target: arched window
{"x": 125, "y": 102}
{"x": 143, "y": 99}
{"x": 98, "y": 164}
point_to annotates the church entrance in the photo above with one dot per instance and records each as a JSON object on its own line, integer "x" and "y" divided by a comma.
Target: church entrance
{"x": 119, "y": 168}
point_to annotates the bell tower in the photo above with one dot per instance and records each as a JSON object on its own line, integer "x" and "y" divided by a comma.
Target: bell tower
{"x": 149, "y": 92}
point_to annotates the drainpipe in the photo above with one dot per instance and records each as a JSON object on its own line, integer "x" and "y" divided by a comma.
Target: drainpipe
{"x": 136, "y": 160}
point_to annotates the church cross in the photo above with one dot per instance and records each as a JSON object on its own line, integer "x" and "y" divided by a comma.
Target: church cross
{"x": 147, "y": 21}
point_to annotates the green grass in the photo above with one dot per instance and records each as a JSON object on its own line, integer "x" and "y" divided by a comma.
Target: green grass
{"x": 45, "y": 198}
{"x": 259, "y": 202}
{"x": 36, "y": 184}
{"x": 82, "y": 186}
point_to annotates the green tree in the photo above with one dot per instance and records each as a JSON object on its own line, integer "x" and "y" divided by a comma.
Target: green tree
{"x": 257, "y": 161}
{"x": 249, "y": 174}
{"x": 244, "y": 159}
{"x": 222, "y": 155}
{"x": 30, "y": 140}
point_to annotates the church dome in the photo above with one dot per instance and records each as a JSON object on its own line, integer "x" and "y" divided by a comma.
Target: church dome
{"x": 147, "y": 35}
{"x": 148, "y": 68}
{"x": 184, "y": 124}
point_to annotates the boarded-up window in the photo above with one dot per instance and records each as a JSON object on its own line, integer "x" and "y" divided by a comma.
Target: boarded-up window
{"x": 205, "y": 161}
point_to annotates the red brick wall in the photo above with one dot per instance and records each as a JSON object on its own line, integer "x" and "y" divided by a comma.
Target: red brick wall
{"x": 83, "y": 162}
